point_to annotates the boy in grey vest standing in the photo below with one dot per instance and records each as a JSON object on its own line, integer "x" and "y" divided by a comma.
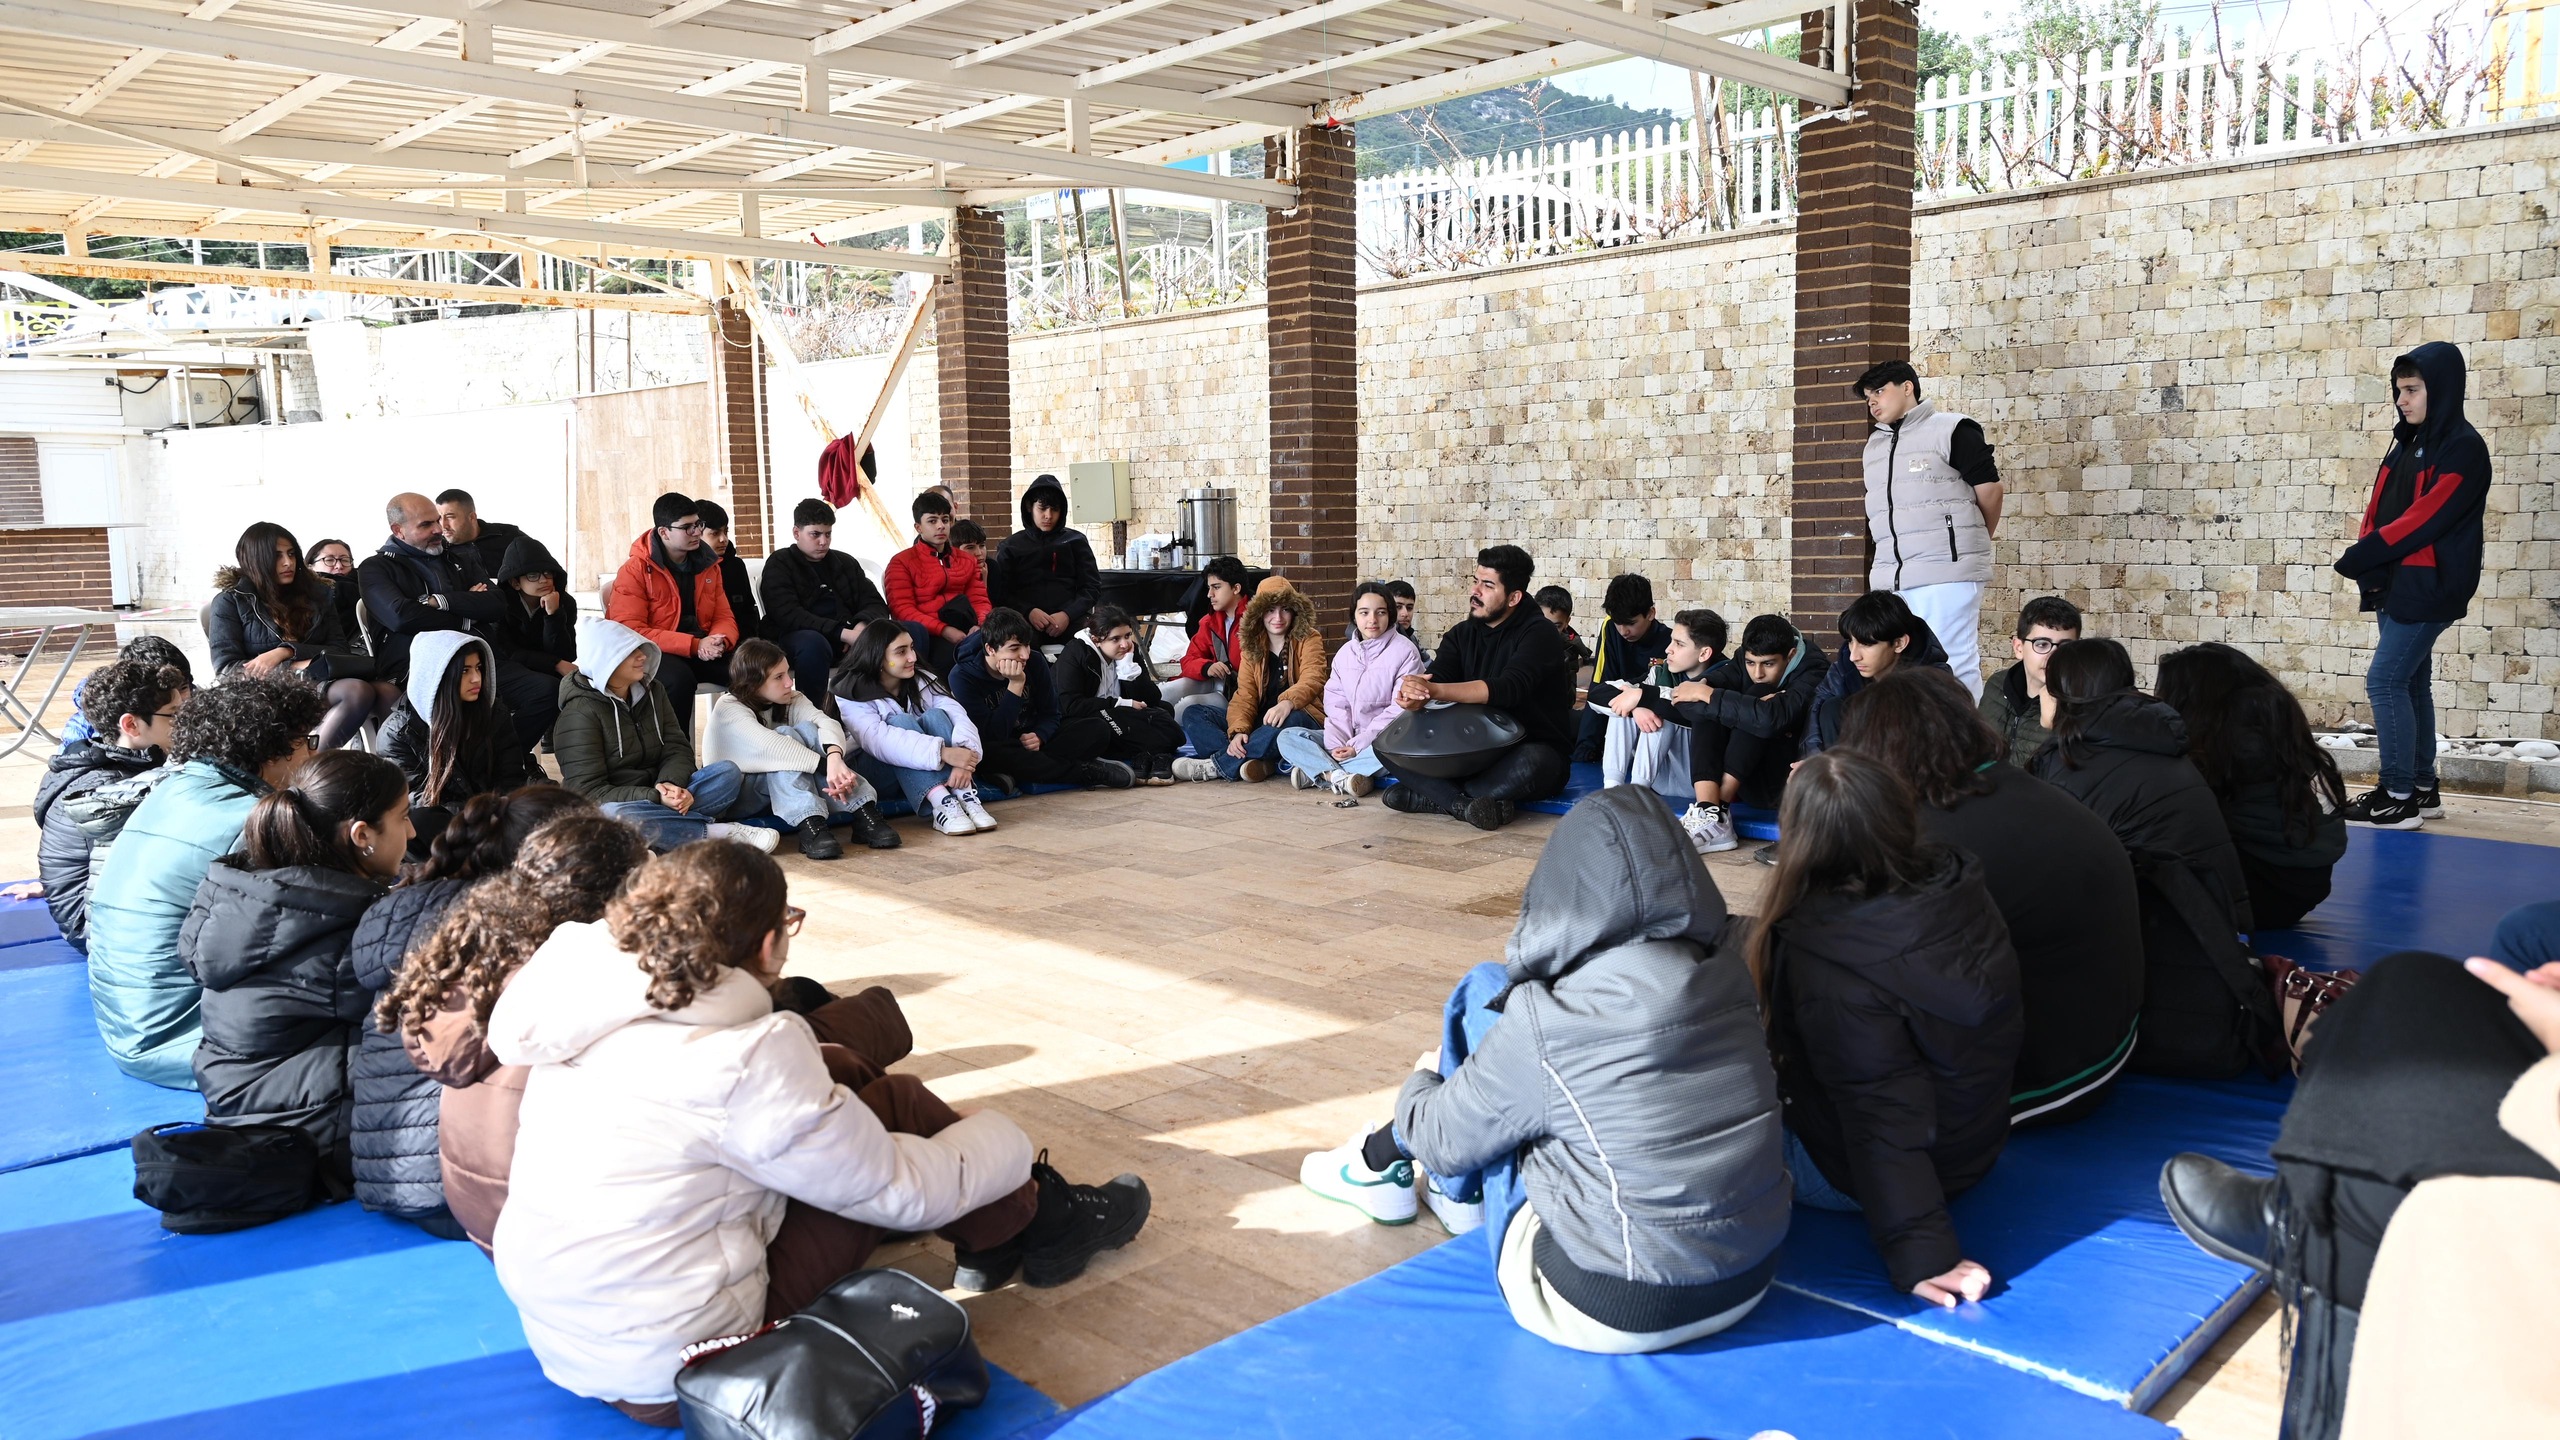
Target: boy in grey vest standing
{"x": 1933, "y": 507}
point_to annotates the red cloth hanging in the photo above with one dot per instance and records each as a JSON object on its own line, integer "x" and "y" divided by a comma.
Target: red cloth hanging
{"x": 840, "y": 478}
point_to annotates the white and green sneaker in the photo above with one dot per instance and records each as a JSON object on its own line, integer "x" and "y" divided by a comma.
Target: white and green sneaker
{"x": 1385, "y": 1196}
{"x": 1456, "y": 1217}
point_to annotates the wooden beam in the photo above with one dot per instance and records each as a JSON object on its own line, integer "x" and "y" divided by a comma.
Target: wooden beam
{"x": 159, "y": 272}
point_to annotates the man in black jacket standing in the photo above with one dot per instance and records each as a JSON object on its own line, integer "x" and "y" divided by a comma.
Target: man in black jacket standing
{"x": 816, "y": 598}
{"x": 2416, "y": 561}
{"x": 1506, "y": 656}
{"x": 418, "y": 582}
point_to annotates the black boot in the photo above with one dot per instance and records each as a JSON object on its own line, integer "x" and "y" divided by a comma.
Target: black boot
{"x": 815, "y": 840}
{"x": 1403, "y": 800}
{"x": 1073, "y": 1224}
{"x": 2229, "y": 1213}
{"x": 1487, "y": 814}
{"x": 872, "y": 828}
{"x": 1102, "y": 775}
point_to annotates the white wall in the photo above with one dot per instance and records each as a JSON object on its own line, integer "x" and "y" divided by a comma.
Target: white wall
{"x": 486, "y": 361}
{"x": 843, "y": 390}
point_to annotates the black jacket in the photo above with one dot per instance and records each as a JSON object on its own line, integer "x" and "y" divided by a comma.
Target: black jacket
{"x": 498, "y": 768}
{"x": 824, "y": 595}
{"x": 1822, "y": 727}
{"x": 2417, "y": 553}
{"x": 2130, "y": 765}
{"x": 62, "y": 846}
{"x": 524, "y": 632}
{"x": 1001, "y": 716}
{"x": 1078, "y": 678}
{"x": 397, "y": 579}
{"x": 742, "y": 594}
{"x": 2253, "y": 807}
{"x": 1053, "y": 570}
{"x": 1618, "y": 659}
{"x": 343, "y": 594}
{"x": 490, "y": 547}
{"x": 281, "y": 1002}
{"x": 2065, "y": 889}
{"x": 1772, "y": 712}
{"x": 1525, "y": 667}
{"x": 394, "y": 1133}
{"x": 237, "y": 627}
{"x": 1896, "y": 1022}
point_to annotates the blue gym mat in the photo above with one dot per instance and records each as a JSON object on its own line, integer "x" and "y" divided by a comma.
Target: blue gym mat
{"x": 64, "y": 1096}
{"x": 1426, "y": 1349}
{"x": 1749, "y": 821}
{"x": 2409, "y": 890}
{"x": 23, "y": 922}
{"x": 2096, "y": 1288}
{"x": 333, "y": 1322}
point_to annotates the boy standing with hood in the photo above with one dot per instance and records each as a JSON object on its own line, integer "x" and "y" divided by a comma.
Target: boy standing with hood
{"x": 2416, "y": 561}
{"x": 1607, "y": 1091}
{"x": 1044, "y": 570}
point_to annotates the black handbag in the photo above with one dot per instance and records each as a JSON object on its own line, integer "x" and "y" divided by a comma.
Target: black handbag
{"x": 207, "y": 1179}
{"x": 878, "y": 1357}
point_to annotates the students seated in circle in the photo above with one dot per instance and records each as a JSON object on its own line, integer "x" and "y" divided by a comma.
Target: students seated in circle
{"x": 791, "y": 756}
{"x": 233, "y": 743}
{"x": 910, "y": 735}
{"x": 1613, "y": 1127}
{"x": 687, "y": 1164}
{"x": 619, "y": 744}
{"x": 2280, "y": 793}
{"x": 451, "y": 735}
{"x": 438, "y": 1006}
{"x": 1894, "y": 1013}
{"x": 270, "y": 939}
{"x": 394, "y": 1138}
{"x": 1279, "y": 683}
{"x": 2063, "y": 883}
{"x": 1359, "y": 701}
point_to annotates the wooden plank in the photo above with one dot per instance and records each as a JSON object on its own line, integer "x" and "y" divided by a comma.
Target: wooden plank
{"x": 167, "y": 273}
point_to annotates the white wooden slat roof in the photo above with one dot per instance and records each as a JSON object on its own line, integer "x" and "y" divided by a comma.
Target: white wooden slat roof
{"x": 746, "y": 128}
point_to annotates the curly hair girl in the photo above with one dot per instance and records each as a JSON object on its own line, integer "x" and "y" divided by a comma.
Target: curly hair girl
{"x": 695, "y": 912}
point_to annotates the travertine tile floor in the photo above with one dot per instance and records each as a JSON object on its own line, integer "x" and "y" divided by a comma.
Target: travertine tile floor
{"x": 1200, "y": 984}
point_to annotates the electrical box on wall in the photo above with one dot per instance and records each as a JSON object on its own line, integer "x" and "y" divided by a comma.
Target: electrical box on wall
{"x": 1098, "y": 490}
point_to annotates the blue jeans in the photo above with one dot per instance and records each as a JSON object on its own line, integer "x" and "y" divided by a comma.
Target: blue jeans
{"x": 794, "y": 796}
{"x": 1466, "y": 1017}
{"x": 1304, "y": 749}
{"x": 715, "y": 788}
{"x": 2528, "y": 936}
{"x": 1811, "y": 1188}
{"x": 2399, "y": 685}
{"x": 914, "y": 784}
{"x": 1205, "y": 726}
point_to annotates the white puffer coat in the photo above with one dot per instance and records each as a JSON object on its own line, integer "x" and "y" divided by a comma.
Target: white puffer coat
{"x": 656, "y": 1150}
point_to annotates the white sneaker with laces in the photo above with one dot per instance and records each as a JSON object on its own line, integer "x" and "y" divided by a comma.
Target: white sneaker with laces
{"x": 975, "y": 808}
{"x": 756, "y": 835}
{"x": 1710, "y": 828}
{"x": 950, "y": 817}
{"x": 1456, "y": 1217}
{"x": 1385, "y": 1196}
{"x": 1302, "y": 778}
{"x": 1187, "y": 768}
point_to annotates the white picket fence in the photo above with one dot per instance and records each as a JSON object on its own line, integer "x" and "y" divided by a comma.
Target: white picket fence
{"x": 2188, "y": 102}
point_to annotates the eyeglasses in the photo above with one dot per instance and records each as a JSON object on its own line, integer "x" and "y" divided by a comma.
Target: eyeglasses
{"x": 792, "y": 915}
{"x": 690, "y": 527}
{"x": 310, "y": 741}
{"x": 166, "y": 715}
{"x": 2043, "y": 646}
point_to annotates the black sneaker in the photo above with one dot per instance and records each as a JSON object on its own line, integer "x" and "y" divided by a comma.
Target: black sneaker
{"x": 1102, "y": 775}
{"x": 872, "y": 828}
{"x": 979, "y": 1271}
{"x": 1487, "y": 814}
{"x": 1082, "y": 1222}
{"x": 1402, "y": 800}
{"x": 816, "y": 841}
{"x": 2430, "y": 802}
{"x": 2377, "y": 810}
{"x": 1766, "y": 854}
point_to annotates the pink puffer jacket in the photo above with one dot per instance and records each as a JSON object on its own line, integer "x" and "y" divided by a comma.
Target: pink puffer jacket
{"x": 1360, "y": 694}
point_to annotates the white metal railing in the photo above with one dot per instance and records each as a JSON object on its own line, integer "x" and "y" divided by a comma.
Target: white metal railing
{"x": 1044, "y": 292}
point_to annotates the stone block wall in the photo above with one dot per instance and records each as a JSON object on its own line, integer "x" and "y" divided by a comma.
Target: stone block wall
{"x": 2185, "y": 375}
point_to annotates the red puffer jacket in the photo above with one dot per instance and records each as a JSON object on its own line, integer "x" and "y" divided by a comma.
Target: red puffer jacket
{"x": 645, "y": 598}
{"x": 920, "y": 584}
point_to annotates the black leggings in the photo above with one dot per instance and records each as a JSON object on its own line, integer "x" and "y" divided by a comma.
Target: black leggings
{"x": 1078, "y": 740}
{"x": 1527, "y": 771}
{"x": 1759, "y": 761}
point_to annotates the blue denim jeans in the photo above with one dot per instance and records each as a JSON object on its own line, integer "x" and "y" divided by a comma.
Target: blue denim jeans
{"x": 2528, "y": 936}
{"x": 1466, "y": 1017}
{"x": 1811, "y": 1188}
{"x": 1304, "y": 749}
{"x": 1205, "y": 726}
{"x": 715, "y": 788}
{"x": 794, "y": 796}
{"x": 2399, "y": 685}
{"x": 914, "y": 784}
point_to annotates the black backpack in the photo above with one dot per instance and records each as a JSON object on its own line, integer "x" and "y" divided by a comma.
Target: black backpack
{"x": 2207, "y": 1012}
{"x": 878, "y": 1357}
{"x": 206, "y": 1179}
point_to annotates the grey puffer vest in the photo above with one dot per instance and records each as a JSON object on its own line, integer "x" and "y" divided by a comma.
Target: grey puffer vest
{"x": 1927, "y": 528}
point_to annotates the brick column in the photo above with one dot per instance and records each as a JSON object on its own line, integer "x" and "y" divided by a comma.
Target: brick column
{"x": 1853, "y": 296}
{"x": 972, "y": 360}
{"x": 1314, "y": 325}
{"x": 737, "y": 408}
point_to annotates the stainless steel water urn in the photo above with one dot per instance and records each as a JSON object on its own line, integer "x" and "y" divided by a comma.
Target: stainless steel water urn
{"x": 1208, "y": 524}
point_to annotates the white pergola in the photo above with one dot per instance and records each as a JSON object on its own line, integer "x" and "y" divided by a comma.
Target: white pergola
{"x": 603, "y": 130}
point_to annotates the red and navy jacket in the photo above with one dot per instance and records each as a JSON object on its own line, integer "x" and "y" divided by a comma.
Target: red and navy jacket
{"x": 2417, "y": 555}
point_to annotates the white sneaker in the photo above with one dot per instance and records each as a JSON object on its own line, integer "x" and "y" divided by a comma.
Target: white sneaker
{"x": 756, "y": 835}
{"x": 1454, "y": 1217}
{"x": 1302, "y": 778}
{"x": 1189, "y": 769}
{"x": 950, "y": 817}
{"x": 1710, "y": 828}
{"x": 974, "y": 808}
{"x": 1385, "y": 1196}
{"x": 1343, "y": 782}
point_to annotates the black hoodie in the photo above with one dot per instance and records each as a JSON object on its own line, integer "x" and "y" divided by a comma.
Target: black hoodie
{"x": 534, "y": 638}
{"x": 2129, "y": 764}
{"x": 1052, "y": 570}
{"x": 1896, "y": 1022}
{"x": 2417, "y": 554}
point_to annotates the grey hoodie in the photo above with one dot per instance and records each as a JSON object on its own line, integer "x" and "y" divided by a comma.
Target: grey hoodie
{"x": 1630, "y": 1075}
